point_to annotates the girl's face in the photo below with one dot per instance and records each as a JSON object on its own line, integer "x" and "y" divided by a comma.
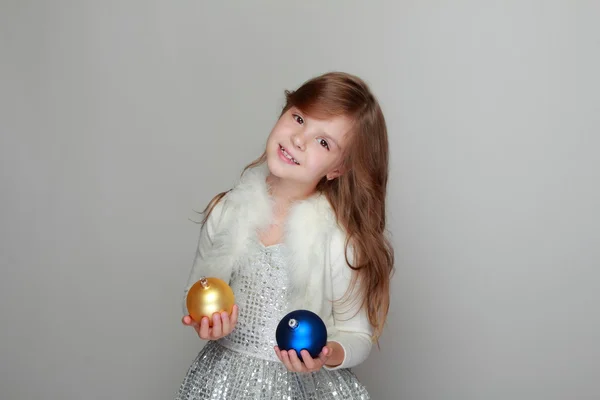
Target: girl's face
{"x": 303, "y": 150}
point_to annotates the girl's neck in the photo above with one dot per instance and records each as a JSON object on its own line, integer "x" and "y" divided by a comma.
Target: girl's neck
{"x": 285, "y": 192}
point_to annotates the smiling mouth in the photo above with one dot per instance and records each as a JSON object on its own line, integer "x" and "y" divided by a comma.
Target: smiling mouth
{"x": 289, "y": 157}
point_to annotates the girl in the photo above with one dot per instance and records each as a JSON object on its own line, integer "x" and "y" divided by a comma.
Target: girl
{"x": 304, "y": 228}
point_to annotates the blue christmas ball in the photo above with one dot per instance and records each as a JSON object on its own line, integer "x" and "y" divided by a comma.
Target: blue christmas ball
{"x": 299, "y": 330}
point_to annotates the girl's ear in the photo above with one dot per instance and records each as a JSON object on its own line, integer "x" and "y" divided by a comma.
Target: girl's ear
{"x": 335, "y": 173}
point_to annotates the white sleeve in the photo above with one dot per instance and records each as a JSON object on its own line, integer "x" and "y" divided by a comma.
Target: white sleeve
{"x": 353, "y": 329}
{"x": 205, "y": 242}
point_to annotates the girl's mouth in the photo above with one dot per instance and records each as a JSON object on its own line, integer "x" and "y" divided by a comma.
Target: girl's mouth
{"x": 287, "y": 156}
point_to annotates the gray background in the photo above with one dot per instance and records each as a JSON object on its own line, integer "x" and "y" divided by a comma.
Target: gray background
{"x": 119, "y": 118}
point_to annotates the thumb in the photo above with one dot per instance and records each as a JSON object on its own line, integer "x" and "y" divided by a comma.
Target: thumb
{"x": 325, "y": 354}
{"x": 187, "y": 320}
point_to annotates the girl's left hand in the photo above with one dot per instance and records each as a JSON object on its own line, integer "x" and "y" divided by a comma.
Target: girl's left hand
{"x": 293, "y": 363}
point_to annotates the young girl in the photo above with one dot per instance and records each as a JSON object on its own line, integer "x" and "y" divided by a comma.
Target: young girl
{"x": 304, "y": 228}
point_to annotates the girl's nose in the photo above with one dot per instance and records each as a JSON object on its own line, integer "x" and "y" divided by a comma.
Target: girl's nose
{"x": 298, "y": 141}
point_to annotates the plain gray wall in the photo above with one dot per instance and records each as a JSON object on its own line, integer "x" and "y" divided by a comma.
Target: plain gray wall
{"x": 119, "y": 118}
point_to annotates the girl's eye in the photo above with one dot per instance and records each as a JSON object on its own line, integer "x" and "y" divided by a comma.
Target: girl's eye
{"x": 298, "y": 119}
{"x": 324, "y": 143}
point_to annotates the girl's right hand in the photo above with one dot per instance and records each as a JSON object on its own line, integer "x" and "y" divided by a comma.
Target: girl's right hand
{"x": 222, "y": 326}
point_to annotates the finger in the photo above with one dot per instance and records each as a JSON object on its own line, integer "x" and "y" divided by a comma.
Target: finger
{"x": 187, "y": 320}
{"x": 234, "y": 315}
{"x": 325, "y": 354}
{"x": 226, "y": 323}
{"x": 195, "y": 325}
{"x": 278, "y": 352}
{"x": 295, "y": 361}
{"x": 217, "y": 329}
{"x": 309, "y": 362}
{"x": 196, "y": 328}
{"x": 285, "y": 359}
{"x": 204, "y": 329}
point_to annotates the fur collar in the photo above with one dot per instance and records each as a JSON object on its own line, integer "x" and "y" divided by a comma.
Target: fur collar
{"x": 247, "y": 208}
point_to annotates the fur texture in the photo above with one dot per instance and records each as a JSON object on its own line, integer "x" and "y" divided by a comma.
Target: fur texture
{"x": 308, "y": 234}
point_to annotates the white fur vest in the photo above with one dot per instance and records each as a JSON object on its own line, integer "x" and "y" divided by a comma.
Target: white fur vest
{"x": 311, "y": 235}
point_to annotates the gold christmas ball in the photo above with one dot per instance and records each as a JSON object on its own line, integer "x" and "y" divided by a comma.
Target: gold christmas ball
{"x": 208, "y": 296}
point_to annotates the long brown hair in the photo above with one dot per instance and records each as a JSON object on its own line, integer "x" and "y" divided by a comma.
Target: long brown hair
{"x": 358, "y": 196}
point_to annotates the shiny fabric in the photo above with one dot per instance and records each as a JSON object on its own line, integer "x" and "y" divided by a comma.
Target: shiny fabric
{"x": 261, "y": 291}
{"x": 244, "y": 365}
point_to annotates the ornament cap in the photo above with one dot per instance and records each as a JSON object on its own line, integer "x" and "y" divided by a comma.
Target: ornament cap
{"x": 204, "y": 282}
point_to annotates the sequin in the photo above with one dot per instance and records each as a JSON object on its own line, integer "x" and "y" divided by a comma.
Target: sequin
{"x": 244, "y": 365}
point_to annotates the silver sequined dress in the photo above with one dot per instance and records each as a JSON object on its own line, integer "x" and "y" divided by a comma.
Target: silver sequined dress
{"x": 243, "y": 365}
